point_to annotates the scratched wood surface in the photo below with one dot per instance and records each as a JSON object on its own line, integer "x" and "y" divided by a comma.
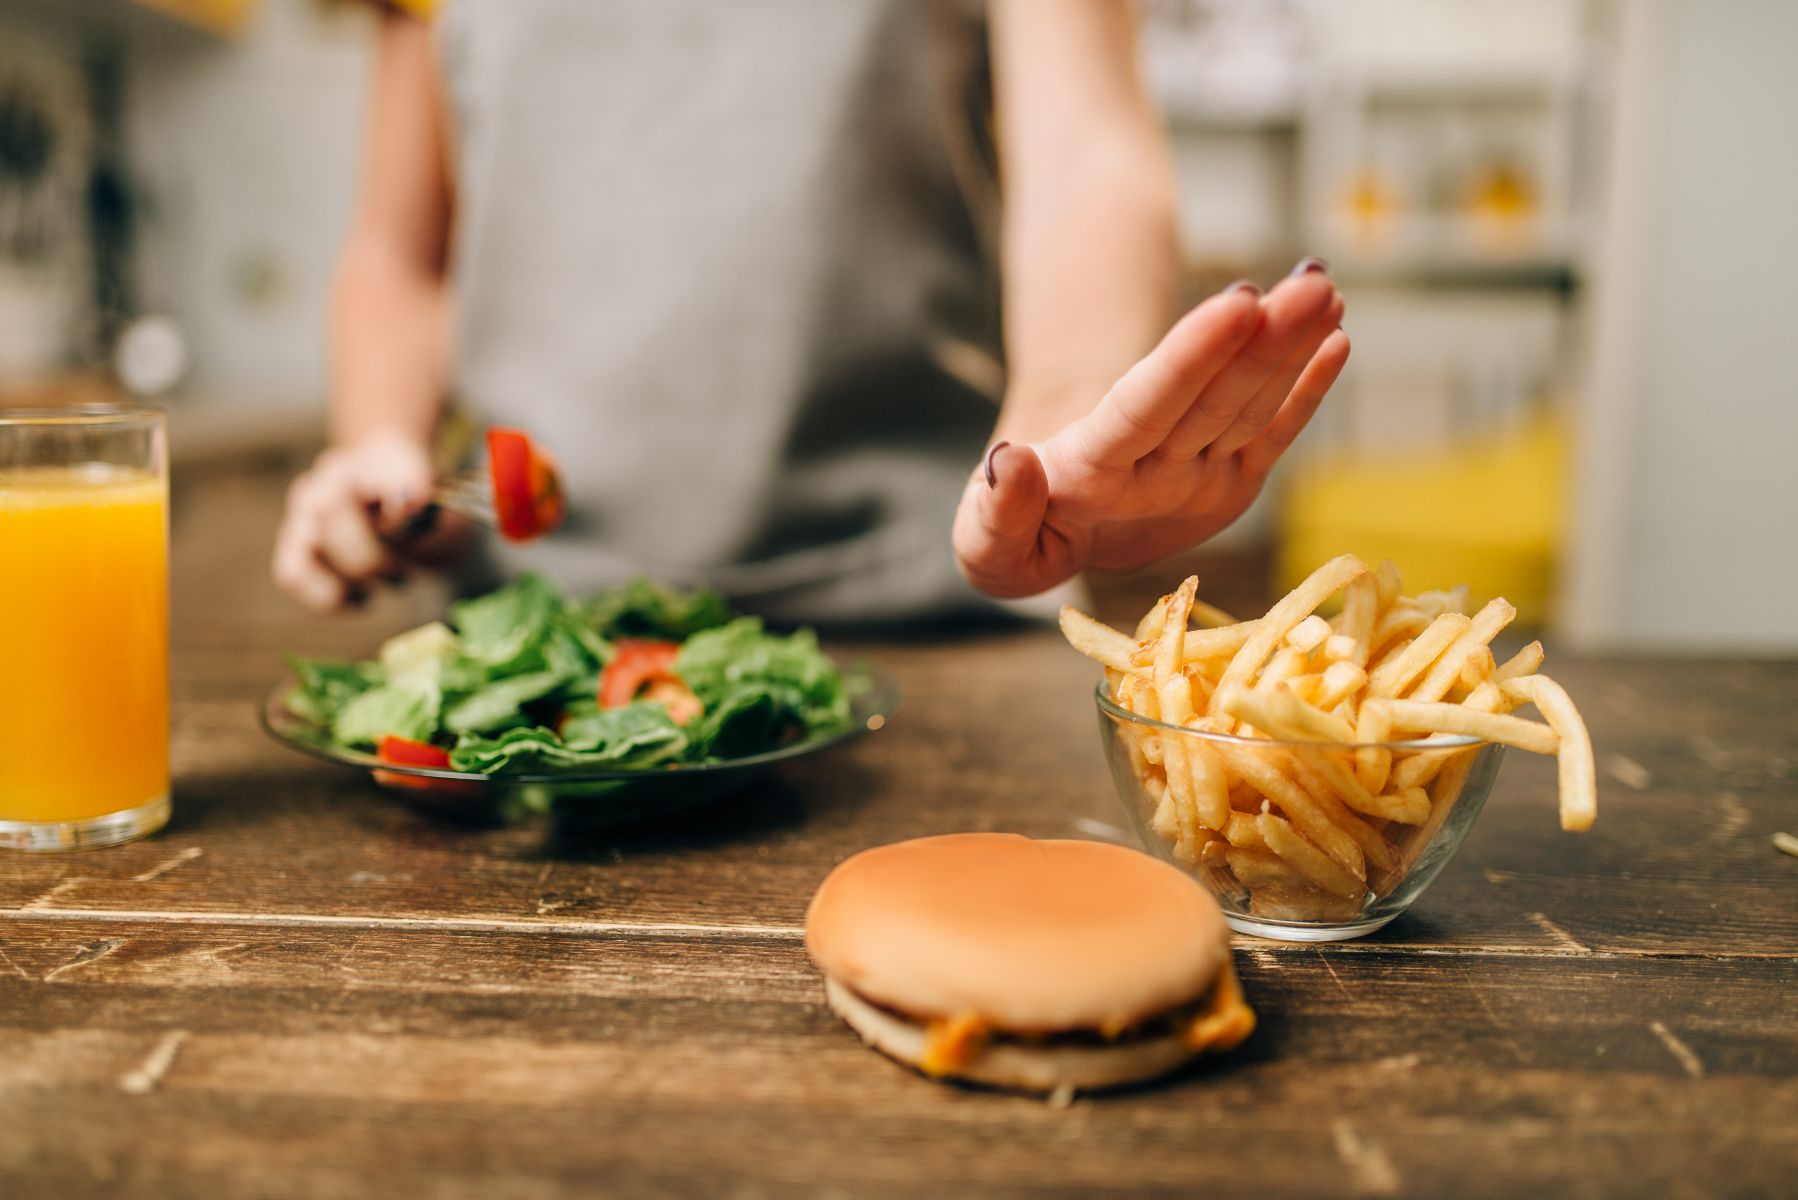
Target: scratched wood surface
{"x": 304, "y": 988}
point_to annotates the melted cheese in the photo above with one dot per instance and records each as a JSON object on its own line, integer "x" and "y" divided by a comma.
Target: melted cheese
{"x": 1226, "y": 1020}
{"x": 951, "y": 1043}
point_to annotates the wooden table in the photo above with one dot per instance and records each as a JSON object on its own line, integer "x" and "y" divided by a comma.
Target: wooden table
{"x": 303, "y": 987}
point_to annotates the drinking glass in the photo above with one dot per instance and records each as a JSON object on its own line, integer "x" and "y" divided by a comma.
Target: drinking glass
{"x": 84, "y": 639}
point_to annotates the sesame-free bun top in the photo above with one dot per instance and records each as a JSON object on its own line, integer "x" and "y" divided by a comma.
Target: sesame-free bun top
{"x": 1033, "y": 936}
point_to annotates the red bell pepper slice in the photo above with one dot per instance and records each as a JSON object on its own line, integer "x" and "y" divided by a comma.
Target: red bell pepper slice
{"x": 527, "y": 491}
{"x": 404, "y": 752}
{"x": 635, "y": 664}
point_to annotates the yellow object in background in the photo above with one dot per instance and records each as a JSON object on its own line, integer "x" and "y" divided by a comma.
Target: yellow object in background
{"x": 1490, "y": 514}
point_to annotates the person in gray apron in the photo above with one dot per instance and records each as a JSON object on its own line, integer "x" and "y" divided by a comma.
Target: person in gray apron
{"x": 766, "y": 279}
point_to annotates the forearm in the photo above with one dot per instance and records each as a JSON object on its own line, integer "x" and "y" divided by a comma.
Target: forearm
{"x": 389, "y": 307}
{"x": 1089, "y": 250}
{"x": 389, "y": 347}
{"x": 1091, "y": 280}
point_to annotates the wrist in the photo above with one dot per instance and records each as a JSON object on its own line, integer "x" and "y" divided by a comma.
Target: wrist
{"x": 1033, "y": 413}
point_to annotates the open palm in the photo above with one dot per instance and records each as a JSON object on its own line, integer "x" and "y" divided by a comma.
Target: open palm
{"x": 1176, "y": 450}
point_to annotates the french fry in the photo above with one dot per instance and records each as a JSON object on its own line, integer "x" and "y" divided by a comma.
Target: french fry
{"x": 1425, "y": 716}
{"x": 1434, "y": 604}
{"x": 1578, "y": 776}
{"x": 1282, "y": 714}
{"x": 1484, "y": 626}
{"x": 1417, "y": 769}
{"x": 1211, "y": 616}
{"x": 1341, "y": 681}
{"x": 1173, "y": 691}
{"x": 1308, "y": 634}
{"x": 1306, "y": 687}
{"x": 1340, "y": 647}
{"x": 1294, "y": 607}
{"x": 1241, "y": 830}
{"x": 1310, "y": 721}
{"x": 1095, "y": 639}
{"x": 1308, "y": 860}
{"x": 1296, "y": 804}
{"x": 1176, "y": 608}
{"x": 1389, "y": 651}
{"x": 1285, "y": 664}
{"x": 1323, "y": 775}
{"x": 1526, "y": 661}
{"x": 1398, "y": 626}
{"x": 1387, "y": 582}
{"x": 1390, "y": 678}
{"x": 1210, "y": 786}
{"x": 1444, "y": 793}
{"x": 1164, "y": 821}
{"x": 1257, "y": 868}
{"x": 1310, "y": 773}
{"x": 1477, "y": 669}
{"x": 1138, "y": 695}
{"x": 1360, "y": 611}
{"x": 1202, "y": 645}
{"x": 1372, "y": 760}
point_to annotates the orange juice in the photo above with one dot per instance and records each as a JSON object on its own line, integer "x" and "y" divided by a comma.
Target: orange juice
{"x": 84, "y": 706}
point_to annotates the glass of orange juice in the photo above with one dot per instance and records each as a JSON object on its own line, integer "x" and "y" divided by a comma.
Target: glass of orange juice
{"x": 84, "y": 631}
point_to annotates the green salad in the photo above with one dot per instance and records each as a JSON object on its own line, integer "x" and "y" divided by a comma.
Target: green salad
{"x": 525, "y": 679}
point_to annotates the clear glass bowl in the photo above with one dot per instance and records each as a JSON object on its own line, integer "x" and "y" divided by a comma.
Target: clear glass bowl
{"x": 1375, "y": 868}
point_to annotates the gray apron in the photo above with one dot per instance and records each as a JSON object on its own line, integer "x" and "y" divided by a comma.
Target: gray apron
{"x": 721, "y": 259}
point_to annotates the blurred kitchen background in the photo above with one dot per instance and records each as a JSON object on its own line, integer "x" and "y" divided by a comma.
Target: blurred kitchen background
{"x": 1565, "y": 229}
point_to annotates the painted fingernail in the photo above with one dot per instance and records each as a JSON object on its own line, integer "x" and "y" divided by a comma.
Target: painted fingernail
{"x": 992, "y": 480}
{"x": 1243, "y": 285}
{"x": 1307, "y": 265}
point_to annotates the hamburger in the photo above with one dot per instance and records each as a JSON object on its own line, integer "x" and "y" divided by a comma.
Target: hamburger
{"x": 1044, "y": 966}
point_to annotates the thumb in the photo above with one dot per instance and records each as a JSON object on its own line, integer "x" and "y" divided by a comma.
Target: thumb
{"x": 999, "y": 524}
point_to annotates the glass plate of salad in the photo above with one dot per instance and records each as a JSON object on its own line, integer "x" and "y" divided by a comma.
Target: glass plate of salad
{"x": 636, "y": 703}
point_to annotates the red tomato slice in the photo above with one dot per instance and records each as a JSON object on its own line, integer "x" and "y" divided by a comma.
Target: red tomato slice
{"x": 527, "y": 492}
{"x": 635, "y": 664}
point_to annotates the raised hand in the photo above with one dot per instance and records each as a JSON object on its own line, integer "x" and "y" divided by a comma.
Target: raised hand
{"x": 1173, "y": 453}
{"x": 340, "y": 538}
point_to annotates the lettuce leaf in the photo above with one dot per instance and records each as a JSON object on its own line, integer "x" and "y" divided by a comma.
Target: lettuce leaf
{"x": 634, "y": 736}
{"x": 645, "y": 609}
{"x": 505, "y": 629}
{"x": 407, "y": 710}
{"x": 760, "y": 690}
{"x": 718, "y": 662}
{"x": 500, "y": 704}
{"x": 326, "y": 685}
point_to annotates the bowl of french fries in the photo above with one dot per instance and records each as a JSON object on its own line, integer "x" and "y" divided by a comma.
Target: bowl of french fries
{"x": 1314, "y": 772}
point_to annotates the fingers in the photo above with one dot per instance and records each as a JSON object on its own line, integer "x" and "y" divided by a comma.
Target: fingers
{"x": 348, "y": 543}
{"x": 1139, "y": 411}
{"x": 1289, "y": 314}
{"x": 298, "y": 571}
{"x": 1000, "y": 522}
{"x": 329, "y": 550}
{"x": 1267, "y": 399}
{"x": 1307, "y": 393}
